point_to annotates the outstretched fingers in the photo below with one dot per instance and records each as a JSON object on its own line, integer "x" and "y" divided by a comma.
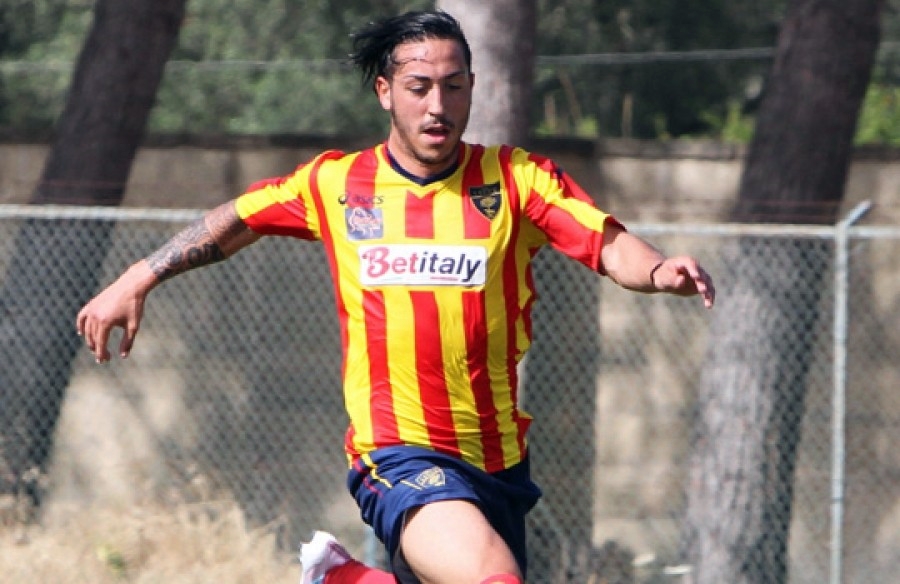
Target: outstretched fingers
{"x": 96, "y": 326}
{"x": 698, "y": 280}
{"x": 705, "y": 287}
{"x": 130, "y": 332}
{"x": 96, "y": 335}
{"x": 121, "y": 305}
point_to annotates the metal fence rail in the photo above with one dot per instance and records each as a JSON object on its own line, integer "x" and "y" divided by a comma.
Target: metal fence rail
{"x": 233, "y": 390}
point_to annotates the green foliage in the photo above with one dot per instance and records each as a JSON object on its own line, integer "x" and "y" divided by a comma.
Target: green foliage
{"x": 277, "y": 66}
{"x": 671, "y": 98}
{"x": 280, "y": 69}
{"x": 113, "y": 559}
{"x": 291, "y": 98}
{"x": 47, "y": 34}
{"x": 734, "y": 127}
{"x": 27, "y": 23}
{"x": 879, "y": 120}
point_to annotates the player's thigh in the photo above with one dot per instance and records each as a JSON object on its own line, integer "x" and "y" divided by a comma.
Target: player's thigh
{"x": 451, "y": 542}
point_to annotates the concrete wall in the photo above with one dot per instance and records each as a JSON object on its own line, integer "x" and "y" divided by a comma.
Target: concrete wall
{"x": 647, "y": 181}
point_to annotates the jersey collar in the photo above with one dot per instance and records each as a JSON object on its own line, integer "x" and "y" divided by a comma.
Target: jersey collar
{"x": 425, "y": 180}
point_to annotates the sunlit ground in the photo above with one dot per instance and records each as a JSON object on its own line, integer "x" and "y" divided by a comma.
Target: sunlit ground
{"x": 191, "y": 543}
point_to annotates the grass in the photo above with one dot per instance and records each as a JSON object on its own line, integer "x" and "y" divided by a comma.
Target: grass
{"x": 197, "y": 543}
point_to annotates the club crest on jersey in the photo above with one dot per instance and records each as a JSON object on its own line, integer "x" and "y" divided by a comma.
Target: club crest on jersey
{"x": 364, "y": 223}
{"x": 487, "y": 199}
{"x": 433, "y": 477}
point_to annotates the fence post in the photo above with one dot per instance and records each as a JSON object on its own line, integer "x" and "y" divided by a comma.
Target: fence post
{"x": 838, "y": 455}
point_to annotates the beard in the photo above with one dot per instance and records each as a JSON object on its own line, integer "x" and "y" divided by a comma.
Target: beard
{"x": 439, "y": 156}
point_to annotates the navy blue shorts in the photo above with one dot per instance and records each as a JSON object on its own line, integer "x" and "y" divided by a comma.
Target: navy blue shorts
{"x": 405, "y": 477}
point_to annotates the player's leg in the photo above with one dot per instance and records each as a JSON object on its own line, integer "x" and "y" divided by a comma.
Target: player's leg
{"x": 449, "y": 542}
{"x": 326, "y": 561}
{"x": 452, "y": 516}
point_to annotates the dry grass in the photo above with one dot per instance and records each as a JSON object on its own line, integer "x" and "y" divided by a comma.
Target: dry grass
{"x": 198, "y": 543}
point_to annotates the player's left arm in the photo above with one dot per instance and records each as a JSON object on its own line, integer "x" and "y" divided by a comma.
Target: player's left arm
{"x": 636, "y": 265}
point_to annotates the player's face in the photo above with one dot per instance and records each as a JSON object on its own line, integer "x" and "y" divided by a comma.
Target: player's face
{"x": 429, "y": 95}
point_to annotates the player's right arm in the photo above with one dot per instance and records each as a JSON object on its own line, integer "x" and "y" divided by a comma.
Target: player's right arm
{"x": 213, "y": 238}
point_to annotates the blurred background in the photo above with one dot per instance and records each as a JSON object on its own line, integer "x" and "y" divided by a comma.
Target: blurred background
{"x": 768, "y": 424}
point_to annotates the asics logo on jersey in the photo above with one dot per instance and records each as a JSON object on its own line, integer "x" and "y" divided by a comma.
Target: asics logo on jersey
{"x": 422, "y": 265}
{"x": 352, "y": 200}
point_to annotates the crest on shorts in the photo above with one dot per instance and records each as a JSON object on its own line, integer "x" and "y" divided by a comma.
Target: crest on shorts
{"x": 487, "y": 199}
{"x": 433, "y": 477}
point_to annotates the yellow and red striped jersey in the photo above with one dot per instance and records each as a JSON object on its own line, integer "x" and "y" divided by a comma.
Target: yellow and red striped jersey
{"x": 433, "y": 286}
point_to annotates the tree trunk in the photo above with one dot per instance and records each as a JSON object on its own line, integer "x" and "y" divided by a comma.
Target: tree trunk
{"x": 109, "y": 101}
{"x": 501, "y": 36}
{"x": 751, "y": 396}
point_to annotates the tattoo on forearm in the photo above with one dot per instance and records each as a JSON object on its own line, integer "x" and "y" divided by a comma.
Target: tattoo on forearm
{"x": 191, "y": 248}
{"x": 225, "y": 225}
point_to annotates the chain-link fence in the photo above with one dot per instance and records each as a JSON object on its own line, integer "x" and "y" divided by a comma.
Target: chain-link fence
{"x": 232, "y": 389}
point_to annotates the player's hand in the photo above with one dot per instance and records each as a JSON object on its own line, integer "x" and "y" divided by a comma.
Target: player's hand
{"x": 683, "y": 276}
{"x": 119, "y": 305}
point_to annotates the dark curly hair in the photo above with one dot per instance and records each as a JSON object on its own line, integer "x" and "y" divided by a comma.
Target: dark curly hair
{"x": 374, "y": 44}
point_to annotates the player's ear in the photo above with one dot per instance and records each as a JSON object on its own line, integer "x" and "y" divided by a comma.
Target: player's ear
{"x": 383, "y": 91}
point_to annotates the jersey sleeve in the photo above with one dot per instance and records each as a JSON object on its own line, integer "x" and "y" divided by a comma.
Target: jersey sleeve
{"x": 286, "y": 205}
{"x": 559, "y": 208}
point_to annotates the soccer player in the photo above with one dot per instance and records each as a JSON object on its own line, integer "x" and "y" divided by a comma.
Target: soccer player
{"x": 429, "y": 241}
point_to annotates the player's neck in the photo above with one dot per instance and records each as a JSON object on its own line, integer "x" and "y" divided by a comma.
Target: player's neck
{"x": 430, "y": 175}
